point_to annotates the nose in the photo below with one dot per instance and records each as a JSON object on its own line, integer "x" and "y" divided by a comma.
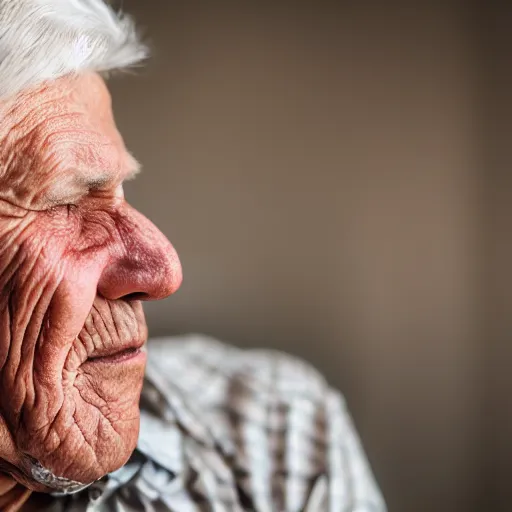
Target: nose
{"x": 143, "y": 264}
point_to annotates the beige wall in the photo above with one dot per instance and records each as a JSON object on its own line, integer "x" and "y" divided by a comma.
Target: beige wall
{"x": 315, "y": 165}
{"x": 496, "y": 289}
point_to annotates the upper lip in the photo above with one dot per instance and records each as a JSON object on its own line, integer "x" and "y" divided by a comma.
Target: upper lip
{"x": 116, "y": 349}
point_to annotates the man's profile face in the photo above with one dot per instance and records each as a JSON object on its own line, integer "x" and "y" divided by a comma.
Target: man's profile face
{"x": 75, "y": 261}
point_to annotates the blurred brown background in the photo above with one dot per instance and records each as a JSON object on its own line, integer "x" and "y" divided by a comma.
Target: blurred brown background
{"x": 335, "y": 178}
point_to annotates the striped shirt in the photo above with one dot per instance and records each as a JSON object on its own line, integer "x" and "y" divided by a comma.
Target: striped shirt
{"x": 223, "y": 429}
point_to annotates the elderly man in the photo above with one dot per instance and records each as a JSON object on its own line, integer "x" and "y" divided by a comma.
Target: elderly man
{"x": 220, "y": 429}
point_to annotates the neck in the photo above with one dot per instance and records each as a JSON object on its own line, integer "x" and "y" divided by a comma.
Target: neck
{"x": 12, "y": 494}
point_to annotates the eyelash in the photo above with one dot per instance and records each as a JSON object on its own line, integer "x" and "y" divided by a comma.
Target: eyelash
{"x": 55, "y": 209}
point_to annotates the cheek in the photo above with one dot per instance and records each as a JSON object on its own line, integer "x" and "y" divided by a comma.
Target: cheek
{"x": 53, "y": 244}
{"x": 31, "y": 268}
{"x": 33, "y": 248}
{"x": 47, "y": 285}
{"x": 76, "y": 253}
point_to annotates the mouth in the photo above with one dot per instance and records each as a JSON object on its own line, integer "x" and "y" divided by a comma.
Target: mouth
{"x": 116, "y": 355}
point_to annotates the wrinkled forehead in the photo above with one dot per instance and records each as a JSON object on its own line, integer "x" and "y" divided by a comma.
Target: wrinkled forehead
{"x": 61, "y": 137}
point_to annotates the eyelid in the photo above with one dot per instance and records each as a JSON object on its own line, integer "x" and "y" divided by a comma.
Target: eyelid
{"x": 65, "y": 201}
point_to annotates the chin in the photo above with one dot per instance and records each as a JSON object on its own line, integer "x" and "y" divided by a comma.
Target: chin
{"x": 98, "y": 426}
{"x": 92, "y": 399}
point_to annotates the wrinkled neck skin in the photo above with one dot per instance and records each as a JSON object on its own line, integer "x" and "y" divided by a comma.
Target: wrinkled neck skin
{"x": 75, "y": 262}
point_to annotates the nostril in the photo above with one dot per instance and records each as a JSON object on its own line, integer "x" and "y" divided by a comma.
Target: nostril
{"x": 136, "y": 296}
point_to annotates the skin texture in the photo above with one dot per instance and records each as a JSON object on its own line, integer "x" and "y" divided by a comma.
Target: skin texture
{"x": 75, "y": 262}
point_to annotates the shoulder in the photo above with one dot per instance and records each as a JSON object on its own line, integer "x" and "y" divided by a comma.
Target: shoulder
{"x": 193, "y": 360}
{"x": 274, "y": 415}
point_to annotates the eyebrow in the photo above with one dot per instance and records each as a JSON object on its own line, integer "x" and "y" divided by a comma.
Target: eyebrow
{"x": 80, "y": 184}
{"x": 102, "y": 180}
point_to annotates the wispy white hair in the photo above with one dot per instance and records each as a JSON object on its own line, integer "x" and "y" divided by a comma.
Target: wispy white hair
{"x": 44, "y": 39}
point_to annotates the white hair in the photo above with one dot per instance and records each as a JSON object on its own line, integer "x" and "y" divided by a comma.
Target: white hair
{"x": 45, "y": 39}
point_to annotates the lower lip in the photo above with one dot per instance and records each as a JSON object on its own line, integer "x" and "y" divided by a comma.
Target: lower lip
{"x": 120, "y": 357}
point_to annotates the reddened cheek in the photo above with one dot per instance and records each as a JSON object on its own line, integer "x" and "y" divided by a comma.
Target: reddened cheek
{"x": 74, "y": 296}
{"x": 70, "y": 306}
